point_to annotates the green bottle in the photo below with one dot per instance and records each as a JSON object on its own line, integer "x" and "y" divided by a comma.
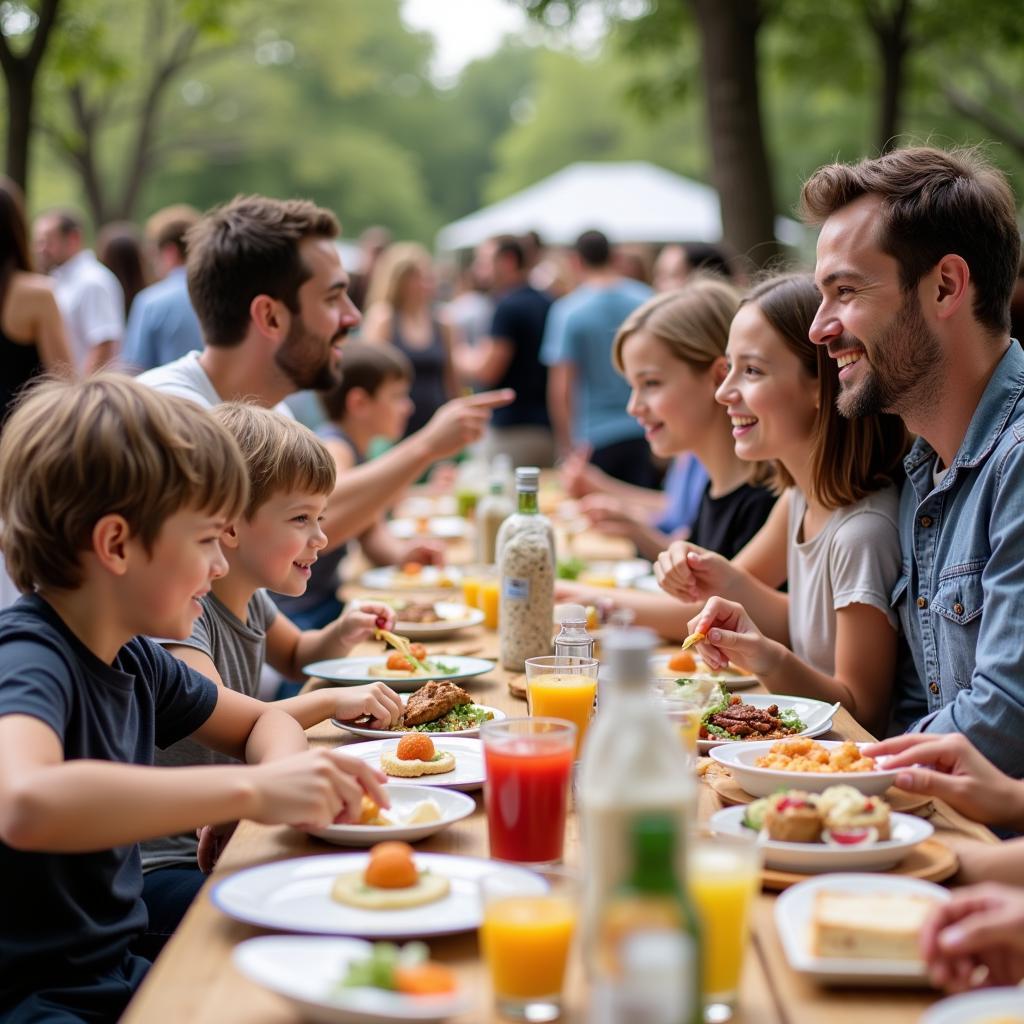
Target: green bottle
{"x": 649, "y": 947}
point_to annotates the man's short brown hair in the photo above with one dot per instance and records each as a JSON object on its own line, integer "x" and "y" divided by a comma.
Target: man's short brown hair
{"x": 934, "y": 202}
{"x": 364, "y": 365}
{"x": 170, "y": 225}
{"x": 73, "y": 453}
{"x": 245, "y": 248}
{"x": 280, "y": 454}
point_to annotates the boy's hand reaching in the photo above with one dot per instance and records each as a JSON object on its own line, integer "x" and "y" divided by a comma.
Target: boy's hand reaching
{"x": 314, "y": 789}
{"x": 358, "y": 623}
{"x": 377, "y": 700}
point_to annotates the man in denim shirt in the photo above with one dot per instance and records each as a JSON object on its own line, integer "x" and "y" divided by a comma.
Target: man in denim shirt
{"x": 916, "y": 263}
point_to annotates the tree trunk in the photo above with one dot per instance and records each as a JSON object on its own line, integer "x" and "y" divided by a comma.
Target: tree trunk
{"x": 740, "y": 168}
{"x": 19, "y": 123}
{"x": 893, "y": 41}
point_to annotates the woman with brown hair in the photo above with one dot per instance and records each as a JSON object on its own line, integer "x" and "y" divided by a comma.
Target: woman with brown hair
{"x": 32, "y": 337}
{"x": 832, "y": 535}
{"x": 400, "y": 311}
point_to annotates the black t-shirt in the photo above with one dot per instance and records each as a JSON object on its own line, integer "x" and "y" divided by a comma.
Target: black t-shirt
{"x": 66, "y": 915}
{"x": 725, "y": 524}
{"x": 519, "y": 318}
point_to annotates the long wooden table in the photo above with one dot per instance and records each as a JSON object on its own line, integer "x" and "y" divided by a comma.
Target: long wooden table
{"x": 194, "y": 980}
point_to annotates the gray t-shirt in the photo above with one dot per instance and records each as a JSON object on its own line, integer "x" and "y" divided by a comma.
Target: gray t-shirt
{"x": 237, "y": 650}
{"x": 854, "y": 559}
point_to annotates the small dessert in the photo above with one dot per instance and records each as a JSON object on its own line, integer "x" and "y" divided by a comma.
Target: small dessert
{"x": 390, "y": 881}
{"x": 868, "y": 926}
{"x": 848, "y": 815}
{"x": 415, "y": 756}
{"x": 793, "y": 817}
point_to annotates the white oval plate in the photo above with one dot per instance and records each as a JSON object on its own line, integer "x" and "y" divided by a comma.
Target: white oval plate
{"x": 295, "y": 896}
{"x": 454, "y": 807}
{"x": 442, "y": 527}
{"x": 984, "y": 1007}
{"x": 739, "y": 758}
{"x": 793, "y": 911}
{"x": 469, "y": 762}
{"x": 455, "y": 616}
{"x": 732, "y": 680}
{"x": 625, "y": 571}
{"x": 357, "y": 671}
{"x": 430, "y": 577}
{"x": 815, "y": 714}
{"x": 306, "y": 970}
{"x": 816, "y": 858}
{"x": 374, "y": 734}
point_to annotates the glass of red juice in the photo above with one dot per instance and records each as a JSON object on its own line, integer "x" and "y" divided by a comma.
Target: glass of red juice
{"x": 528, "y": 763}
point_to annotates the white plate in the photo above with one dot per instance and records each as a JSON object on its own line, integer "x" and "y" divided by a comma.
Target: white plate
{"x": 454, "y": 617}
{"x": 984, "y": 1007}
{"x": 469, "y": 762}
{"x": 793, "y": 911}
{"x": 295, "y": 896}
{"x": 430, "y": 577}
{"x": 454, "y": 807}
{"x": 815, "y": 714}
{"x": 625, "y": 571}
{"x": 375, "y": 734}
{"x": 816, "y": 858}
{"x": 305, "y": 970}
{"x": 356, "y": 671}
{"x": 739, "y": 758}
{"x": 442, "y": 527}
{"x": 733, "y": 680}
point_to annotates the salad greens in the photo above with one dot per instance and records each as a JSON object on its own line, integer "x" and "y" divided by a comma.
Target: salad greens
{"x": 570, "y": 568}
{"x": 460, "y": 718}
{"x": 378, "y": 970}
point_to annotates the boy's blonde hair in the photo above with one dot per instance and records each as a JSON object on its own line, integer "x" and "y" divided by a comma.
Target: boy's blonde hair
{"x": 281, "y": 454}
{"x": 72, "y": 453}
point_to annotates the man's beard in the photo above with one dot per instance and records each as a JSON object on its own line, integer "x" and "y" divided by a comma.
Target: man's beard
{"x": 903, "y": 371}
{"x": 306, "y": 360}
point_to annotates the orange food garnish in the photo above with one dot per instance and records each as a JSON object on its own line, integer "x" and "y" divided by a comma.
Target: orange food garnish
{"x": 390, "y": 846}
{"x": 391, "y": 869}
{"x": 682, "y": 661}
{"x": 415, "y": 746}
{"x": 426, "y": 979}
{"x": 399, "y": 662}
{"x": 418, "y": 651}
{"x": 412, "y": 568}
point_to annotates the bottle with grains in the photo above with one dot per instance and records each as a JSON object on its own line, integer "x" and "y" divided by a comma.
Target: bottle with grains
{"x": 491, "y": 512}
{"x": 526, "y": 563}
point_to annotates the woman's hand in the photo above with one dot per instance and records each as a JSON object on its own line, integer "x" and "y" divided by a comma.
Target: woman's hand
{"x": 949, "y": 767}
{"x": 690, "y": 573}
{"x": 732, "y": 636}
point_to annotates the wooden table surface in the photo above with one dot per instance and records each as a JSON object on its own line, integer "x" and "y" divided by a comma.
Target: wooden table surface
{"x": 195, "y": 981}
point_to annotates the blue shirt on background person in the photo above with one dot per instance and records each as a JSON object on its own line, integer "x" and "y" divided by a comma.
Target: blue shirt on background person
{"x": 162, "y": 325}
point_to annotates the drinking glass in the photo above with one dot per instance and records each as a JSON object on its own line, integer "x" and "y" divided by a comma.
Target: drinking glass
{"x": 526, "y": 936}
{"x": 473, "y": 578}
{"x": 685, "y": 716}
{"x": 725, "y": 879}
{"x": 562, "y": 686}
{"x": 528, "y": 762}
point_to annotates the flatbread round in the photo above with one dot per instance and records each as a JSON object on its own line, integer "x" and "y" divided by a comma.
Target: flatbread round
{"x": 350, "y": 888}
{"x": 414, "y": 767}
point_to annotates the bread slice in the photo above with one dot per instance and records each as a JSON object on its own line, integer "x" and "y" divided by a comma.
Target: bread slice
{"x": 413, "y": 768}
{"x": 868, "y": 926}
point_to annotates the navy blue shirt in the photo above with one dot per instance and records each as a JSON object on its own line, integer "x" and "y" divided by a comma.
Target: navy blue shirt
{"x": 70, "y": 915}
{"x": 519, "y": 319}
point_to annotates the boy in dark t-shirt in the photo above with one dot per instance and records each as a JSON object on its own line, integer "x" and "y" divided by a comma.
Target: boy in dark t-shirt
{"x": 113, "y": 499}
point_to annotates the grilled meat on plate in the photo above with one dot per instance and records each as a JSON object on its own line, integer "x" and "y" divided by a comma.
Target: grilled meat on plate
{"x": 433, "y": 700}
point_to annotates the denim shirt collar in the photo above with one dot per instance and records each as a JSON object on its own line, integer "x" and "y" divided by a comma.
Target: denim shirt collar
{"x": 998, "y": 401}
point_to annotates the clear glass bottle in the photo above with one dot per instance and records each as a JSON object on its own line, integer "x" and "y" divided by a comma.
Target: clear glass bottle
{"x": 493, "y": 509}
{"x": 572, "y": 639}
{"x": 649, "y": 936}
{"x": 526, "y": 565}
{"x": 633, "y": 767}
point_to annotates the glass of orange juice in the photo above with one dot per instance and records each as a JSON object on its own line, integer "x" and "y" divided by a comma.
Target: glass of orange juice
{"x": 526, "y": 937}
{"x": 489, "y": 600}
{"x": 685, "y": 716}
{"x": 725, "y": 879}
{"x": 561, "y": 686}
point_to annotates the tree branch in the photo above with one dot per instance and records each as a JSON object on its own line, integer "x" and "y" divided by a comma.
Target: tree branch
{"x": 983, "y": 114}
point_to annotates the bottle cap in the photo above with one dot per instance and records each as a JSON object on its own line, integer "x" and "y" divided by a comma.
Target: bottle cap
{"x": 627, "y": 653}
{"x": 570, "y": 613}
{"x": 527, "y": 478}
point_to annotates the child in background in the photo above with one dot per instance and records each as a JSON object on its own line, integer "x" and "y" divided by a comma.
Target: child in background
{"x": 372, "y": 401}
{"x": 274, "y": 545}
{"x": 113, "y": 499}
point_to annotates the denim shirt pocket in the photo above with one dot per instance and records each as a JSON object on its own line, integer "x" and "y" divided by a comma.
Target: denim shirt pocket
{"x": 958, "y": 603}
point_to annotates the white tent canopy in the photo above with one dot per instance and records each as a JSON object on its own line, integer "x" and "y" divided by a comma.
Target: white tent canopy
{"x": 630, "y": 202}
